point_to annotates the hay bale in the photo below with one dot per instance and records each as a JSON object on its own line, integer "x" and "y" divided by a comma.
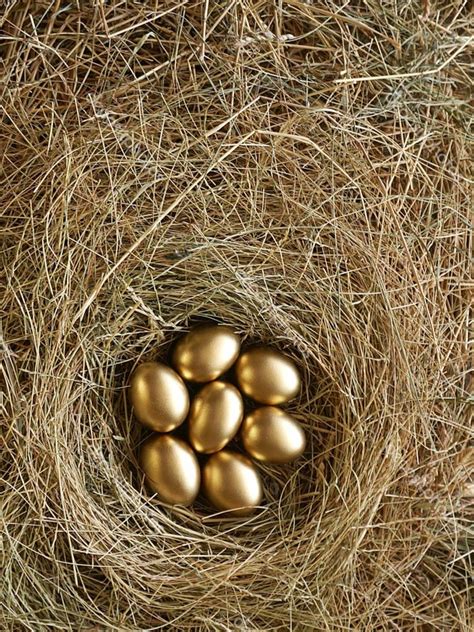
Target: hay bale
{"x": 299, "y": 171}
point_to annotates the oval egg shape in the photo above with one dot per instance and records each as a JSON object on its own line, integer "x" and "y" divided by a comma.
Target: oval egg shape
{"x": 269, "y": 434}
{"x": 267, "y": 376}
{"x": 231, "y": 483}
{"x": 159, "y": 396}
{"x": 215, "y": 416}
{"x": 206, "y": 352}
{"x": 171, "y": 469}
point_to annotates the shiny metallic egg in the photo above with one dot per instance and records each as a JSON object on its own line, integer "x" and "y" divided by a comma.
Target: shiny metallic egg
{"x": 171, "y": 469}
{"x": 269, "y": 434}
{"x": 159, "y": 396}
{"x": 215, "y": 416}
{"x": 231, "y": 483}
{"x": 267, "y": 376}
{"x": 206, "y": 352}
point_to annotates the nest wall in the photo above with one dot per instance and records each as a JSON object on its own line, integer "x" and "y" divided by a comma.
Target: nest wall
{"x": 299, "y": 171}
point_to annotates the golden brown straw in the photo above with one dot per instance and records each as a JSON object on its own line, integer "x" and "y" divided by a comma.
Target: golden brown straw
{"x": 298, "y": 170}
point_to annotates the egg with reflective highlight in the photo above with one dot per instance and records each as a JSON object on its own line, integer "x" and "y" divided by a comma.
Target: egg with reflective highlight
{"x": 267, "y": 376}
{"x": 206, "y": 352}
{"x": 269, "y": 434}
{"x": 171, "y": 469}
{"x": 215, "y": 416}
{"x": 231, "y": 483}
{"x": 159, "y": 396}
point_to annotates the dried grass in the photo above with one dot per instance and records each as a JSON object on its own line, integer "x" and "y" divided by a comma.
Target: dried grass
{"x": 298, "y": 170}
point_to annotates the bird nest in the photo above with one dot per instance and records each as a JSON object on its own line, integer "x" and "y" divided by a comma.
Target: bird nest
{"x": 299, "y": 172}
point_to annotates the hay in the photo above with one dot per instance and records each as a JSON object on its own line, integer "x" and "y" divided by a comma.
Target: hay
{"x": 297, "y": 170}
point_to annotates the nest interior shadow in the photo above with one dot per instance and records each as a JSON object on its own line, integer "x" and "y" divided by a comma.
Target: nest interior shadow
{"x": 300, "y": 172}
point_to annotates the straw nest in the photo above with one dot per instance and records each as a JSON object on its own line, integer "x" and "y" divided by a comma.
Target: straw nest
{"x": 296, "y": 170}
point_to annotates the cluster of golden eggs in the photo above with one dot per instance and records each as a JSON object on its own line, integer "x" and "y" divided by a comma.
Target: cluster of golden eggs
{"x": 161, "y": 401}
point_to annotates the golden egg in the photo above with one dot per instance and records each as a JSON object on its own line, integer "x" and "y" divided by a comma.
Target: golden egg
{"x": 159, "y": 396}
{"x": 171, "y": 469}
{"x": 231, "y": 482}
{"x": 270, "y": 434}
{"x": 206, "y": 352}
{"x": 268, "y": 376}
{"x": 215, "y": 416}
